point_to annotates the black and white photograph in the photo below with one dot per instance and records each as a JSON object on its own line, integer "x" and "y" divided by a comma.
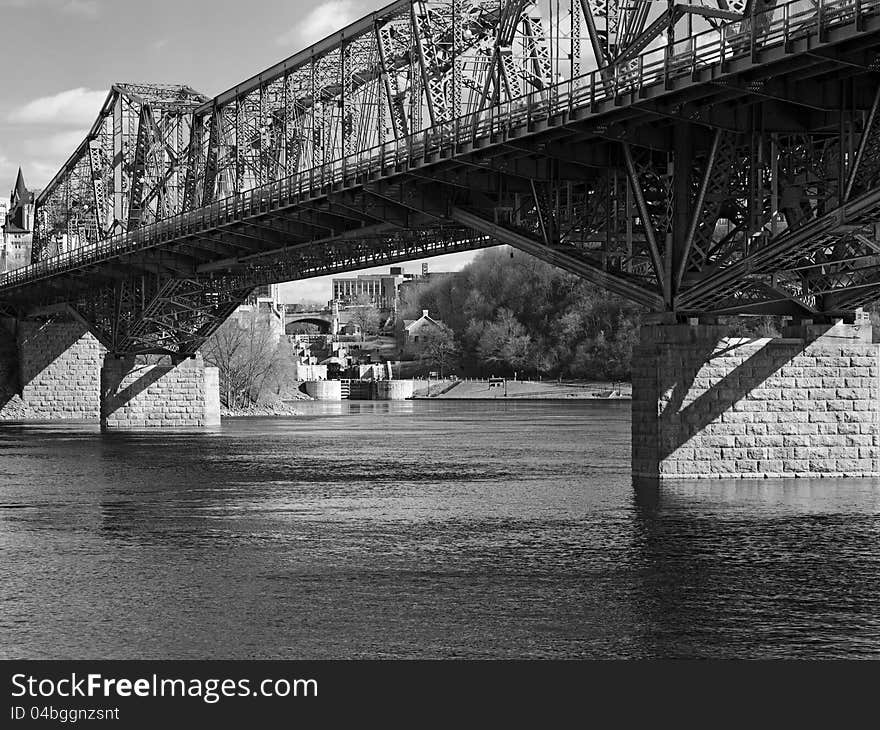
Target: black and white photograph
{"x": 435, "y": 330}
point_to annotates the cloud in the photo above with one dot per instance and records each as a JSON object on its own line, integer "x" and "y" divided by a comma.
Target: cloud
{"x": 84, "y": 8}
{"x": 323, "y": 20}
{"x": 56, "y": 146}
{"x": 75, "y": 107}
{"x": 89, "y": 8}
{"x": 38, "y": 159}
{"x": 37, "y": 172}
{"x": 52, "y": 128}
{"x": 7, "y": 170}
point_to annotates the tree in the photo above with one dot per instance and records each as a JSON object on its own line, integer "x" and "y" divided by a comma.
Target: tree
{"x": 247, "y": 352}
{"x": 439, "y": 349}
{"x": 365, "y": 314}
{"x": 514, "y": 312}
{"x": 504, "y": 342}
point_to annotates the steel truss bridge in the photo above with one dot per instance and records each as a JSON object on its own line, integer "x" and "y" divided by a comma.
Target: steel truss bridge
{"x": 712, "y": 158}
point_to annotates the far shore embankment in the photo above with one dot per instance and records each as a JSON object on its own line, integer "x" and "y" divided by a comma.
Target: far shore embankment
{"x": 521, "y": 390}
{"x": 464, "y": 390}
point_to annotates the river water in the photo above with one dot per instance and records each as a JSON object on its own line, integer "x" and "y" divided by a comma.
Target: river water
{"x": 418, "y": 529}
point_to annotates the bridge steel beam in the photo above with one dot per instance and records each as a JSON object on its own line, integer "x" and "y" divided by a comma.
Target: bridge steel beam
{"x": 733, "y": 171}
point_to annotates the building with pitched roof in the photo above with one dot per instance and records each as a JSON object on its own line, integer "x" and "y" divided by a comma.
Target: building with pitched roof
{"x": 17, "y": 226}
{"x": 416, "y": 331}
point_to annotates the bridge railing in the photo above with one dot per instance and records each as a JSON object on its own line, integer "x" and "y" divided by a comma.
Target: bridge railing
{"x": 777, "y": 26}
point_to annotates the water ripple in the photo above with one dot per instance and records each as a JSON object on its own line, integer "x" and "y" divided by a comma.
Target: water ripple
{"x": 418, "y": 530}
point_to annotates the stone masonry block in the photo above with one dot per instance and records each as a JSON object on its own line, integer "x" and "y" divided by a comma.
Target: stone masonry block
{"x": 755, "y": 408}
{"x": 140, "y": 395}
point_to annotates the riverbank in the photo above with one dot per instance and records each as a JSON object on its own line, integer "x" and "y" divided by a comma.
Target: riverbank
{"x": 467, "y": 390}
{"x": 280, "y": 404}
{"x": 263, "y": 409}
{"x": 518, "y": 389}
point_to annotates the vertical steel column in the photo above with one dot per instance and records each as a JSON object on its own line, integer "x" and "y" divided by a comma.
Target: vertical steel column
{"x": 682, "y": 213}
{"x": 212, "y": 157}
{"x": 119, "y": 212}
{"x": 238, "y": 168}
{"x": 195, "y": 167}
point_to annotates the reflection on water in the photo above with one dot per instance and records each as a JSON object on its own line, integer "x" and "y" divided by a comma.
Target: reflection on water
{"x": 354, "y": 407}
{"x": 418, "y": 529}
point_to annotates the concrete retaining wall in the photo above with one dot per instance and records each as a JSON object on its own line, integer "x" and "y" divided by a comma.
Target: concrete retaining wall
{"x": 709, "y": 405}
{"x": 324, "y": 389}
{"x": 394, "y": 389}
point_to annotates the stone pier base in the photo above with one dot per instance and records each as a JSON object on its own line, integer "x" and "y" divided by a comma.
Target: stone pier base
{"x": 135, "y": 396}
{"x": 48, "y": 371}
{"x": 709, "y": 405}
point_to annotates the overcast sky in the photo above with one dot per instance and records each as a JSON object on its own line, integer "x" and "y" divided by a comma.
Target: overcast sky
{"x": 60, "y": 57}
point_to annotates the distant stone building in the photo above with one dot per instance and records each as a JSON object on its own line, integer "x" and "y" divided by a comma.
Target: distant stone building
{"x": 416, "y": 331}
{"x": 17, "y": 223}
{"x": 381, "y": 289}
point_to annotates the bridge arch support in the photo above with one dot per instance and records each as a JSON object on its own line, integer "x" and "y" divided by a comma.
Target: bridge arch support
{"x": 324, "y": 324}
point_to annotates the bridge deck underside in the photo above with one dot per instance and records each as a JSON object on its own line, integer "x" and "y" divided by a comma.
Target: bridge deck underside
{"x": 748, "y": 183}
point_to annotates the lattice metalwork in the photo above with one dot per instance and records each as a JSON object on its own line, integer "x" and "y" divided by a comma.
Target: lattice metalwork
{"x": 697, "y": 158}
{"x": 157, "y": 315}
{"x": 130, "y": 170}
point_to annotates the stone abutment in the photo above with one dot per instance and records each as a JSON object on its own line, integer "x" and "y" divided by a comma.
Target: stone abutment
{"x": 709, "y": 405}
{"x": 56, "y": 370}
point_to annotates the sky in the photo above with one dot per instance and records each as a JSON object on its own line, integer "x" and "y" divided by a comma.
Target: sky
{"x": 58, "y": 59}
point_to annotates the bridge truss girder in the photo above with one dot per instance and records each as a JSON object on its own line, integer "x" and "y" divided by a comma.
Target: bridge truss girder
{"x": 404, "y": 69}
{"x": 156, "y": 151}
{"x": 131, "y": 169}
{"x": 751, "y": 185}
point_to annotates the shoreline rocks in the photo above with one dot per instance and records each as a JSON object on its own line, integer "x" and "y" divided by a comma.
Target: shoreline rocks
{"x": 259, "y": 409}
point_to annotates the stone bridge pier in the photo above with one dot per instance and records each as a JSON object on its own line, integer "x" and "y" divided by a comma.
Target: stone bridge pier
{"x": 708, "y": 405}
{"x": 55, "y": 370}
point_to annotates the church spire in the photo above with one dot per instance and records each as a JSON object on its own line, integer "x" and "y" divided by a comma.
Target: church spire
{"x": 20, "y": 192}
